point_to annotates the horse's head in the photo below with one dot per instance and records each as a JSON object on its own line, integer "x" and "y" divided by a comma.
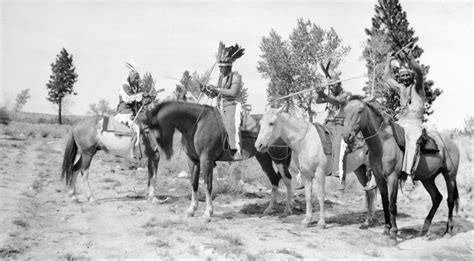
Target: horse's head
{"x": 159, "y": 128}
{"x": 354, "y": 114}
{"x": 270, "y": 129}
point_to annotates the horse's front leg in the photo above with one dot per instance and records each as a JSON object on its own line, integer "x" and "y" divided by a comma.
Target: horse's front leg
{"x": 392, "y": 184}
{"x": 382, "y": 185}
{"x": 194, "y": 169}
{"x": 283, "y": 170}
{"x": 370, "y": 196}
{"x": 267, "y": 166}
{"x": 308, "y": 187}
{"x": 207, "y": 168}
{"x": 321, "y": 180}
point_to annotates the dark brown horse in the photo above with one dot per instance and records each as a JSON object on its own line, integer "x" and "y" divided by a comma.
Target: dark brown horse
{"x": 88, "y": 136}
{"x": 385, "y": 158}
{"x": 204, "y": 140}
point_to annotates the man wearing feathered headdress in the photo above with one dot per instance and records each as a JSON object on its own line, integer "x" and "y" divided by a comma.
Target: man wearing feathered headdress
{"x": 408, "y": 82}
{"x": 228, "y": 88}
{"x": 130, "y": 98}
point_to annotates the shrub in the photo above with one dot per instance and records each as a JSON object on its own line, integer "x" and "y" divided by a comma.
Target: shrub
{"x": 4, "y": 116}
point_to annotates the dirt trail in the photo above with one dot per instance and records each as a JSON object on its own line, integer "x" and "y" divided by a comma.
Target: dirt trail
{"x": 40, "y": 223}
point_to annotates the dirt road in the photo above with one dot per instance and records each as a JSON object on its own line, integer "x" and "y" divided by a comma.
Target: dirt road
{"x": 39, "y": 222}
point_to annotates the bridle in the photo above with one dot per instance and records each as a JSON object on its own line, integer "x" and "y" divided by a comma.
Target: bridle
{"x": 288, "y": 145}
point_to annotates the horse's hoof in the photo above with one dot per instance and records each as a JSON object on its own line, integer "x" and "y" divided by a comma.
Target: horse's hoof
{"x": 364, "y": 226}
{"x": 92, "y": 200}
{"x": 392, "y": 241}
{"x": 205, "y": 219}
{"x": 153, "y": 200}
{"x": 423, "y": 233}
{"x": 447, "y": 235}
{"x": 268, "y": 212}
{"x": 74, "y": 200}
{"x": 430, "y": 236}
{"x": 287, "y": 213}
{"x": 369, "y": 223}
{"x": 321, "y": 225}
{"x": 305, "y": 222}
{"x": 189, "y": 213}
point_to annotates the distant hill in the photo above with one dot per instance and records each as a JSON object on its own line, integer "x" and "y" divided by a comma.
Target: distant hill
{"x": 35, "y": 117}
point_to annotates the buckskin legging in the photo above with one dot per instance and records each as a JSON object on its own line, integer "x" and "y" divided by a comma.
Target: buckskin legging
{"x": 413, "y": 129}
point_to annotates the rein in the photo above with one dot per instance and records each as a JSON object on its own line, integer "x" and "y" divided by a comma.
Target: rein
{"x": 377, "y": 132}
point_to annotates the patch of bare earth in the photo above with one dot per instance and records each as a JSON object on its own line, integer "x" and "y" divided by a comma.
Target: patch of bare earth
{"x": 39, "y": 222}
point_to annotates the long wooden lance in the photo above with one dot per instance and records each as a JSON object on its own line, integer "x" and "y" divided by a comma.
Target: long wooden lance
{"x": 313, "y": 89}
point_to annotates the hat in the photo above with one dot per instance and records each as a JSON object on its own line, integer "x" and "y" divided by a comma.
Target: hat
{"x": 227, "y": 55}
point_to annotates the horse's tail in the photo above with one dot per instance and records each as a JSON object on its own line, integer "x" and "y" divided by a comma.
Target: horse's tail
{"x": 68, "y": 160}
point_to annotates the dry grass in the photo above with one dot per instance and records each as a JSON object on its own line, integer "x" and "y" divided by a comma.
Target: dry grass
{"x": 23, "y": 130}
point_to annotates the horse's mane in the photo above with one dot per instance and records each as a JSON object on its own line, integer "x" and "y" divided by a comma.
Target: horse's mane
{"x": 372, "y": 106}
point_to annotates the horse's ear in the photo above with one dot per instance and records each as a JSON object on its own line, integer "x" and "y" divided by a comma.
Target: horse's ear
{"x": 268, "y": 107}
{"x": 281, "y": 109}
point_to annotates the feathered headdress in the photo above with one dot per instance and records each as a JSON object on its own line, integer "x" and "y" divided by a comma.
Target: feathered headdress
{"x": 132, "y": 67}
{"x": 227, "y": 55}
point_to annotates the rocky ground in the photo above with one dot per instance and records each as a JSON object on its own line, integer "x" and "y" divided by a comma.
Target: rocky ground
{"x": 38, "y": 221}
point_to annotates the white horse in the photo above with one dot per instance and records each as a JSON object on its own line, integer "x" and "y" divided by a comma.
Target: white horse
{"x": 304, "y": 141}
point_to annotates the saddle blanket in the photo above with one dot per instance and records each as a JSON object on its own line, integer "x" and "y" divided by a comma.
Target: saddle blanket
{"x": 425, "y": 142}
{"x": 326, "y": 137}
{"x": 112, "y": 125}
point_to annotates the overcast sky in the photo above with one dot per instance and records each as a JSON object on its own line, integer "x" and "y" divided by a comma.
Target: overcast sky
{"x": 169, "y": 37}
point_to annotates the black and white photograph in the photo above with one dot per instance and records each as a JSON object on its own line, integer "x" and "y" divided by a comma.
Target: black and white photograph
{"x": 236, "y": 130}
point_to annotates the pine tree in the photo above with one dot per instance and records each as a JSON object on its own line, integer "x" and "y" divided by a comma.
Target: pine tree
{"x": 61, "y": 82}
{"x": 391, "y": 32}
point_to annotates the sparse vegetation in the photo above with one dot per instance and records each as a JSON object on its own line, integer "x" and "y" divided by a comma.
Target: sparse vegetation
{"x": 21, "y": 100}
{"x": 4, "y": 116}
{"x": 22, "y": 130}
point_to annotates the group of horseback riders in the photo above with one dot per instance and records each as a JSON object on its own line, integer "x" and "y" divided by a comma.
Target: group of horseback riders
{"x": 406, "y": 79}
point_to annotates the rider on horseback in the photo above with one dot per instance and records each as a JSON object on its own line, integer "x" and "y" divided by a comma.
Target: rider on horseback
{"x": 336, "y": 99}
{"x": 130, "y": 101}
{"x": 408, "y": 82}
{"x": 229, "y": 88}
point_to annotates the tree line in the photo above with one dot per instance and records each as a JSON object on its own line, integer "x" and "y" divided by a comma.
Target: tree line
{"x": 290, "y": 65}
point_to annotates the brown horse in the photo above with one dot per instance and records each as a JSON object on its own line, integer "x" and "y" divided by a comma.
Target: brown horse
{"x": 88, "y": 136}
{"x": 385, "y": 158}
{"x": 204, "y": 140}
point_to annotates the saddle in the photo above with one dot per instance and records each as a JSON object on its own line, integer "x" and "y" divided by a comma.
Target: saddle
{"x": 121, "y": 130}
{"x": 326, "y": 137}
{"x": 425, "y": 143}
